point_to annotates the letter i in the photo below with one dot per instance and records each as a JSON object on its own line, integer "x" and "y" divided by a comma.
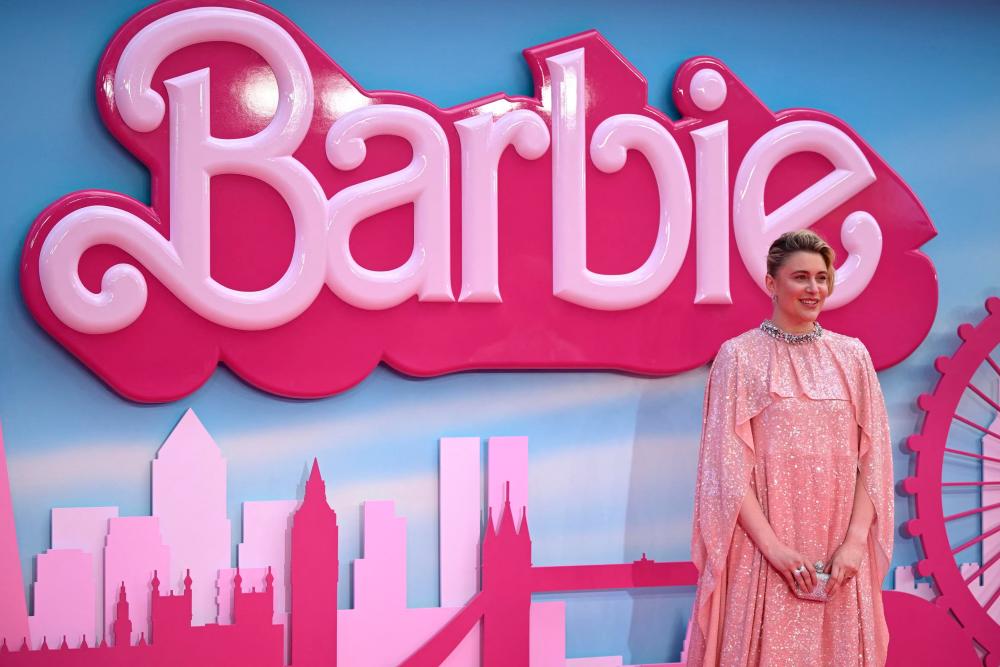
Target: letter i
{"x": 711, "y": 147}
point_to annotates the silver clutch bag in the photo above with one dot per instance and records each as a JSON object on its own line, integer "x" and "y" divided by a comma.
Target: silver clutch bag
{"x": 817, "y": 594}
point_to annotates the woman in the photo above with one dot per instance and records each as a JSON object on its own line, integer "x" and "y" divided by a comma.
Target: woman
{"x": 795, "y": 467}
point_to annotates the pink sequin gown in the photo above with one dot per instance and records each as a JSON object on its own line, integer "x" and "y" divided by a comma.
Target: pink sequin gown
{"x": 798, "y": 425}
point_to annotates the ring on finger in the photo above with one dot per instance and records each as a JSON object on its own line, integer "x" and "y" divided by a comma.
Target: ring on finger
{"x": 801, "y": 569}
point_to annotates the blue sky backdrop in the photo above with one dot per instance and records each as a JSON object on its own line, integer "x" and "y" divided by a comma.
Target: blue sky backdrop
{"x": 612, "y": 456}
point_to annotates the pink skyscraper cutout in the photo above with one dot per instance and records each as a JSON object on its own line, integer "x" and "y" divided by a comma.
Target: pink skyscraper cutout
{"x": 548, "y": 646}
{"x": 380, "y": 575}
{"x": 266, "y": 543}
{"x": 64, "y": 594}
{"x": 380, "y": 597}
{"x": 507, "y": 475}
{"x": 134, "y": 551}
{"x": 86, "y": 529}
{"x": 314, "y": 574}
{"x": 460, "y": 521}
{"x": 14, "y": 607}
{"x": 189, "y": 498}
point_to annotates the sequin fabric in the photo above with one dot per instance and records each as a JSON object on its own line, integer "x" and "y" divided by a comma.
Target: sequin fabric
{"x": 798, "y": 426}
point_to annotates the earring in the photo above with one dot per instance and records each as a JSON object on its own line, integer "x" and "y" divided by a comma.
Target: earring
{"x": 774, "y": 297}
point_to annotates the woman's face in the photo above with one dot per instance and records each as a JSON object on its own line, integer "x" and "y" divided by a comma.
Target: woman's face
{"x": 800, "y": 287}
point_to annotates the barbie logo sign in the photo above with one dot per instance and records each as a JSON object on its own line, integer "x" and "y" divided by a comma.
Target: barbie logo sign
{"x": 303, "y": 229}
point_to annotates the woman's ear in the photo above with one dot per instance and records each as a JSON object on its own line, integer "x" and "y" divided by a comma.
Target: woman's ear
{"x": 769, "y": 284}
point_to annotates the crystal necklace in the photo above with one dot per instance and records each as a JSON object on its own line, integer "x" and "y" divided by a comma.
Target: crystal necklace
{"x": 772, "y": 329}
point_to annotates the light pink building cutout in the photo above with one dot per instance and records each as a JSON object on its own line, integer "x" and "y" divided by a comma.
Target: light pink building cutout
{"x": 189, "y": 498}
{"x": 380, "y": 574}
{"x": 380, "y": 598}
{"x": 64, "y": 594}
{"x": 460, "y": 520}
{"x": 547, "y": 646}
{"x": 134, "y": 551}
{"x": 266, "y": 543}
{"x": 86, "y": 529}
{"x": 507, "y": 463}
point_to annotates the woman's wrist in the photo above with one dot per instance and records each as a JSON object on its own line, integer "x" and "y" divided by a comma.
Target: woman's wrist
{"x": 769, "y": 545}
{"x": 856, "y": 535}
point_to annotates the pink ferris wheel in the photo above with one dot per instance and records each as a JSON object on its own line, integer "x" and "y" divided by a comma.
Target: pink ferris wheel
{"x": 957, "y": 483}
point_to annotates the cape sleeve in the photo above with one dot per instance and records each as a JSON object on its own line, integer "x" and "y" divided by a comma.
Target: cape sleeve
{"x": 875, "y": 462}
{"x": 876, "y": 476}
{"x": 725, "y": 468}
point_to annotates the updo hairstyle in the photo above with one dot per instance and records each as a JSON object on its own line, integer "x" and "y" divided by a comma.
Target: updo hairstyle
{"x": 801, "y": 240}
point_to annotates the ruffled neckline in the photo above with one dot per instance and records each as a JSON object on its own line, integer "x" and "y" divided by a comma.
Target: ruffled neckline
{"x": 770, "y": 368}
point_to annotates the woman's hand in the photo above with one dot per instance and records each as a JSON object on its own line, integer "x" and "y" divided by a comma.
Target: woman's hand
{"x": 787, "y": 562}
{"x": 844, "y": 565}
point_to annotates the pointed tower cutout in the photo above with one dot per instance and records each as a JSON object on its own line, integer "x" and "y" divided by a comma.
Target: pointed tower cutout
{"x": 14, "y": 610}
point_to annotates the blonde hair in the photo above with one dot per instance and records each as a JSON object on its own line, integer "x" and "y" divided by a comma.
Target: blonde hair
{"x": 798, "y": 241}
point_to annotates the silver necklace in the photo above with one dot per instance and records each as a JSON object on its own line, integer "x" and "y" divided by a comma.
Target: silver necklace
{"x": 772, "y": 329}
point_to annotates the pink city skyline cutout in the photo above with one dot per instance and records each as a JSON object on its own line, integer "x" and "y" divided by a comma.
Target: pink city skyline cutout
{"x": 279, "y": 605}
{"x": 162, "y": 598}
